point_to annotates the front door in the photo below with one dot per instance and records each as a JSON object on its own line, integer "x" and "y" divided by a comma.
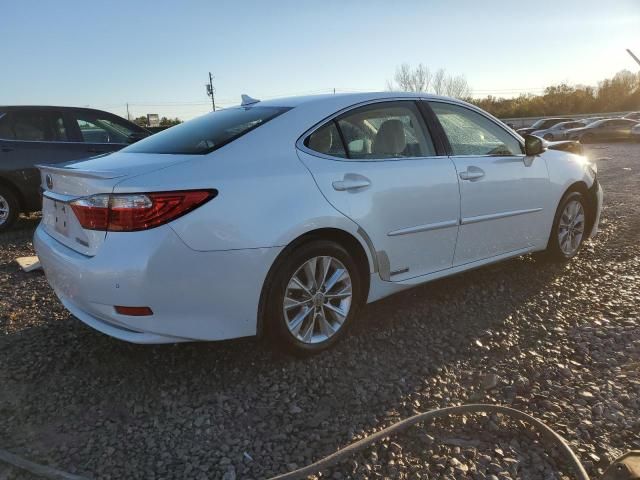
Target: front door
{"x": 502, "y": 191}
{"x": 378, "y": 166}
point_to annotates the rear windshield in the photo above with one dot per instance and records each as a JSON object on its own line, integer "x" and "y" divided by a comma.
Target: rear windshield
{"x": 207, "y": 133}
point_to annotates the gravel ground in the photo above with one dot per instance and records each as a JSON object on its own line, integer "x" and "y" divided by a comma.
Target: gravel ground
{"x": 561, "y": 342}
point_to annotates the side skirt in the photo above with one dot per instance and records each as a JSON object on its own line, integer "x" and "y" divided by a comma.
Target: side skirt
{"x": 380, "y": 288}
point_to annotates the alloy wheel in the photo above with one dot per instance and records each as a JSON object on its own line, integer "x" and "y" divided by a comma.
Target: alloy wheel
{"x": 317, "y": 299}
{"x": 4, "y": 210}
{"x": 571, "y": 227}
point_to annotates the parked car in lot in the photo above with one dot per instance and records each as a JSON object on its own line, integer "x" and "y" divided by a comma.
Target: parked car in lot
{"x": 559, "y": 130}
{"x": 633, "y": 116}
{"x": 603, "y": 130}
{"x": 635, "y": 133}
{"x": 30, "y": 135}
{"x": 284, "y": 217}
{"x": 542, "y": 124}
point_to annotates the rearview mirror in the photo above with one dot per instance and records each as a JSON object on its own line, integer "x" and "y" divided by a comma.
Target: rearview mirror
{"x": 534, "y": 145}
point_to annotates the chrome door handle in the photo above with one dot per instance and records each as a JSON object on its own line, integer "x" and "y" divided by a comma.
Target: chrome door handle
{"x": 351, "y": 181}
{"x": 472, "y": 173}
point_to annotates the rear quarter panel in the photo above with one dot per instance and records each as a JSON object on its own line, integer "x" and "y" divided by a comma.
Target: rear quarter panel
{"x": 267, "y": 198}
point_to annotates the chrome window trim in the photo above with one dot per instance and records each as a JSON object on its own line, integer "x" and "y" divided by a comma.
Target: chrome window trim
{"x": 302, "y": 147}
{"x": 490, "y": 118}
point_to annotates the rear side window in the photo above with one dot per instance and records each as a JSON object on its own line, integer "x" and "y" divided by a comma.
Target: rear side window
{"x": 33, "y": 126}
{"x": 6, "y": 132}
{"x": 385, "y": 130}
{"x": 326, "y": 140}
{"x": 379, "y": 131}
{"x": 207, "y": 133}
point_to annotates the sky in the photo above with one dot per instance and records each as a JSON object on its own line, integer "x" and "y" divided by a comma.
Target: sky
{"x": 156, "y": 55}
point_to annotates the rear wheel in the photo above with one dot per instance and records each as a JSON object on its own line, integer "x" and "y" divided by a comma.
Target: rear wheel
{"x": 9, "y": 208}
{"x": 569, "y": 228}
{"x": 316, "y": 293}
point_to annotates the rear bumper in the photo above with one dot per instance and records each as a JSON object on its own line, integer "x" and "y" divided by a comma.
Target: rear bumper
{"x": 193, "y": 295}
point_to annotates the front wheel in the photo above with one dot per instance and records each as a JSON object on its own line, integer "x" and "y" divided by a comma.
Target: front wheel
{"x": 569, "y": 228}
{"x": 316, "y": 293}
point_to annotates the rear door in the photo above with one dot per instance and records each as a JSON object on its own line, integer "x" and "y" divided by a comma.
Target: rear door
{"x": 31, "y": 136}
{"x": 377, "y": 164}
{"x": 503, "y": 192}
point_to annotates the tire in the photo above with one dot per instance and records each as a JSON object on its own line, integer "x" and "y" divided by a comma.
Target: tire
{"x": 306, "y": 326}
{"x": 548, "y": 137}
{"x": 9, "y": 208}
{"x": 569, "y": 230}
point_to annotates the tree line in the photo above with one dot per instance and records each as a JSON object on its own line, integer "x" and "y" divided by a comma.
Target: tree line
{"x": 616, "y": 94}
{"x": 164, "y": 121}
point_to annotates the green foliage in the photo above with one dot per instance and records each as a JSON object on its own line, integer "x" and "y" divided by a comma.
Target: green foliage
{"x": 164, "y": 121}
{"x": 620, "y": 93}
{"x": 169, "y": 122}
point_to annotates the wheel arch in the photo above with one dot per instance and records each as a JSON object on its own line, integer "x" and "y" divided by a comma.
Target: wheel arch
{"x": 357, "y": 247}
{"x": 590, "y": 195}
{"x": 4, "y": 182}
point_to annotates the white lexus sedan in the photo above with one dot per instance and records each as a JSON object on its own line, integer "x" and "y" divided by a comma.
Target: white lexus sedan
{"x": 284, "y": 217}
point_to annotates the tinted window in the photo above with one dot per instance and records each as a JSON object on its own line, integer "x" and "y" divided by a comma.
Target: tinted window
{"x": 207, "y": 133}
{"x": 326, "y": 140}
{"x": 34, "y": 126}
{"x": 471, "y": 133}
{"x": 6, "y": 131}
{"x": 95, "y": 128}
{"x": 385, "y": 130}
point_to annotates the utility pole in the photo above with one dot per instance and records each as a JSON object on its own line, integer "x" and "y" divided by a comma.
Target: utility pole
{"x": 128, "y": 116}
{"x": 633, "y": 56}
{"x": 211, "y": 91}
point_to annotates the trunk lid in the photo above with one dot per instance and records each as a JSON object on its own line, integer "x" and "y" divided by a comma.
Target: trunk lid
{"x": 63, "y": 183}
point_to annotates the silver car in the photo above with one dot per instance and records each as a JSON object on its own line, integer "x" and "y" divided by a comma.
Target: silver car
{"x": 558, "y": 131}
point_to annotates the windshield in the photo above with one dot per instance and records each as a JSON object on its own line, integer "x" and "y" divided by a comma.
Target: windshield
{"x": 207, "y": 133}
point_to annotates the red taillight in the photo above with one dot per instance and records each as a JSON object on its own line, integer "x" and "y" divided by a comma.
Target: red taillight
{"x": 133, "y": 311}
{"x": 136, "y": 211}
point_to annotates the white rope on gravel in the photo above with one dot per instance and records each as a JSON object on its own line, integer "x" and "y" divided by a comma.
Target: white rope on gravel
{"x": 343, "y": 453}
{"x": 36, "y": 468}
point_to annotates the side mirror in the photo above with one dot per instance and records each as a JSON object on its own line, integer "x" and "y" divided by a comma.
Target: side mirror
{"x": 534, "y": 145}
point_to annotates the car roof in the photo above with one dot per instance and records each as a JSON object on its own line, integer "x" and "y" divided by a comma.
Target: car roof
{"x": 348, "y": 98}
{"x": 50, "y": 107}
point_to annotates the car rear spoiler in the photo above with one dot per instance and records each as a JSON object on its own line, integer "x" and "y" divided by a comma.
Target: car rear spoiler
{"x": 76, "y": 172}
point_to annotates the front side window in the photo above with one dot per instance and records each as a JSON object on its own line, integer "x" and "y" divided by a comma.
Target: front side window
{"x": 97, "y": 129}
{"x": 207, "y": 133}
{"x": 33, "y": 126}
{"x": 471, "y": 133}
